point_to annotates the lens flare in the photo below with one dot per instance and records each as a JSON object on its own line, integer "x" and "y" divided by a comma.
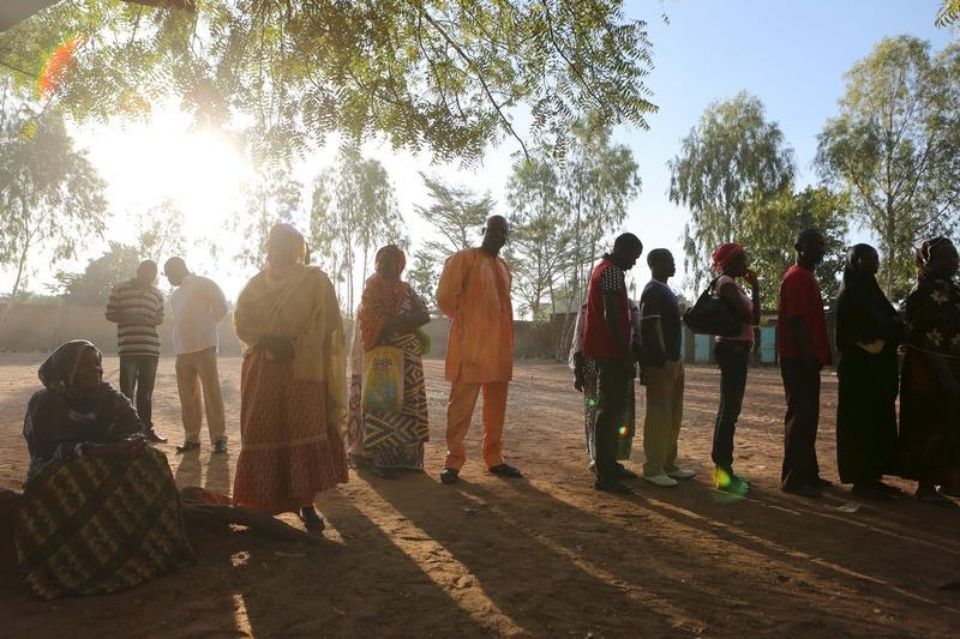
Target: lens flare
{"x": 56, "y": 64}
{"x": 624, "y": 431}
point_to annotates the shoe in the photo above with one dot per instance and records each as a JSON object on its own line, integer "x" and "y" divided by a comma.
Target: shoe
{"x": 951, "y": 490}
{"x": 311, "y": 519}
{"x": 803, "y": 490}
{"x": 613, "y": 487}
{"x": 220, "y": 446}
{"x": 663, "y": 480}
{"x": 506, "y": 470}
{"x": 154, "y": 437}
{"x": 625, "y": 473}
{"x": 682, "y": 473}
{"x": 821, "y": 483}
{"x": 449, "y": 476}
{"x": 592, "y": 467}
{"x": 186, "y": 447}
{"x": 726, "y": 481}
{"x": 933, "y": 496}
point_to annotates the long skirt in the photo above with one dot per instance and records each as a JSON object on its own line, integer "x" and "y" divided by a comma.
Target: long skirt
{"x": 90, "y": 525}
{"x": 628, "y": 424}
{"x": 289, "y": 451}
{"x": 392, "y": 439}
{"x": 929, "y": 445}
{"x": 866, "y": 415}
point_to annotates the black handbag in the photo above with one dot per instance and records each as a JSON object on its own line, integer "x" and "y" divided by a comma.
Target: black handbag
{"x": 712, "y": 316}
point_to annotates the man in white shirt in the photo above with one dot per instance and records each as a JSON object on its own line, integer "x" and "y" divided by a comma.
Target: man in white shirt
{"x": 197, "y": 305}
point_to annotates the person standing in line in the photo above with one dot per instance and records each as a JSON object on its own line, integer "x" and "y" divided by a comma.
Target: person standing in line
{"x": 197, "y": 305}
{"x": 136, "y": 307}
{"x": 733, "y": 358}
{"x": 929, "y": 443}
{"x": 804, "y": 350}
{"x": 662, "y": 365}
{"x": 474, "y": 292}
{"x": 869, "y": 330}
{"x": 606, "y": 340}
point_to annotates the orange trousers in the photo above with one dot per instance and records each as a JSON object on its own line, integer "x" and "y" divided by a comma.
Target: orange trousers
{"x": 463, "y": 399}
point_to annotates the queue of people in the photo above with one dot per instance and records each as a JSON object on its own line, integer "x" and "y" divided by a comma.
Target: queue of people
{"x": 88, "y": 439}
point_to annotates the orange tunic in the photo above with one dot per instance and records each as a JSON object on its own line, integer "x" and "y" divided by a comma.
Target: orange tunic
{"x": 474, "y": 292}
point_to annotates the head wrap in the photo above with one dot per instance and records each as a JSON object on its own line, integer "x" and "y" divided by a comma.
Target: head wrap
{"x": 925, "y": 253}
{"x": 383, "y": 296}
{"x": 725, "y": 255}
{"x": 390, "y": 262}
{"x": 293, "y": 244}
{"x": 58, "y": 370}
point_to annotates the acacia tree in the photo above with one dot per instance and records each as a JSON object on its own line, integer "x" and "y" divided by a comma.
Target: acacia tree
{"x": 51, "y": 197}
{"x": 732, "y": 159}
{"x": 456, "y": 213}
{"x": 436, "y": 74}
{"x": 354, "y": 210}
{"x": 894, "y": 149}
{"x": 541, "y": 235}
{"x": 275, "y": 197}
{"x": 422, "y": 276}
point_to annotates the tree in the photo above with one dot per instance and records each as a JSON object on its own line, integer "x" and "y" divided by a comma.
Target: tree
{"x": 423, "y": 276}
{"x": 456, "y": 213}
{"x": 541, "y": 235}
{"x": 92, "y": 287}
{"x": 734, "y": 158}
{"x": 51, "y": 197}
{"x": 949, "y": 14}
{"x": 769, "y": 231}
{"x": 354, "y": 211}
{"x": 160, "y": 232}
{"x": 894, "y": 149}
{"x": 436, "y": 74}
{"x": 275, "y": 197}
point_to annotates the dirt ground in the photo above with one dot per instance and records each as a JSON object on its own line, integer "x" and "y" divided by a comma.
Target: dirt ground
{"x": 544, "y": 557}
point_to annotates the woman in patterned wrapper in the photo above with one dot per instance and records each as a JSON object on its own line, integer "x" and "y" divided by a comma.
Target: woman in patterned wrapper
{"x": 292, "y": 385}
{"x": 100, "y": 509}
{"x": 930, "y": 383}
{"x": 390, "y": 314}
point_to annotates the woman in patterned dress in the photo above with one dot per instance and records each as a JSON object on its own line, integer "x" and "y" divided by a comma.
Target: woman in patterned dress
{"x": 100, "y": 509}
{"x": 292, "y": 384}
{"x": 930, "y": 383}
{"x": 390, "y": 314}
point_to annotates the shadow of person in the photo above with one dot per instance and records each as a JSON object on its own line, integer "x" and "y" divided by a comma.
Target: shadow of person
{"x": 218, "y": 474}
{"x": 188, "y": 470}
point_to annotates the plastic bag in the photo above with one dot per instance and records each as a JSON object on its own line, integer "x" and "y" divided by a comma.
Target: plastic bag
{"x": 383, "y": 379}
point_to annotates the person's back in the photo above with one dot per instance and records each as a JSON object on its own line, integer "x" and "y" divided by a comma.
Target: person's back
{"x": 198, "y": 305}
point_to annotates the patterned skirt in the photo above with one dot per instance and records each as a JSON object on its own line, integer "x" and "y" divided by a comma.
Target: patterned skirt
{"x": 393, "y": 439}
{"x": 628, "y": 424}
{"x": 90, "y": 526}
{"x": 289, "y": 452}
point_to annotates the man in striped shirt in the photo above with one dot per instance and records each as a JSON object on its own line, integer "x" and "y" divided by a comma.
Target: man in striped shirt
{"x": 136, "y": 306}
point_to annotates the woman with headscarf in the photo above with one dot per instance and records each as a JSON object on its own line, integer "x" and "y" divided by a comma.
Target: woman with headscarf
{"x": 390, "y": 314}
{"x": 930, "y": 384}
{"x": 292, "y": 384}
{"x": 101, "y": 511}
{"x": 730, "y": 262}
{"x": 868, "y": 332}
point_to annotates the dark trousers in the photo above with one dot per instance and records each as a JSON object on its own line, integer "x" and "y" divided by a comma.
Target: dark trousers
{"x": 801, "y": 382}
{"x": 733, "y": 358}
{"x": 138, "y": 374}
{"x": 614, "y": 378}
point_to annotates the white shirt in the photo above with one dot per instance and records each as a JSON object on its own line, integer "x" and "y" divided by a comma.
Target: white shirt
{"x": 197, "y": 305}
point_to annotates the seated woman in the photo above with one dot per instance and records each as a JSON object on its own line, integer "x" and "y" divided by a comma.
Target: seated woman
{"x": 100, "y": 511}
{"x": 390, "y": 314}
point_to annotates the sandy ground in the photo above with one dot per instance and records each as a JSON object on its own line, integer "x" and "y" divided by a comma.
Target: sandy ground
{"x": 545, "y": 557}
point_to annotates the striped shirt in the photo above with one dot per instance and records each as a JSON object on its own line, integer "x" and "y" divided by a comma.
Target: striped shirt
{"x": 138, "y": 311}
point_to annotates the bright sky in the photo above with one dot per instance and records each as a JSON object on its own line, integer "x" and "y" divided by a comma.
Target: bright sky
{"x": 791, "y": 54}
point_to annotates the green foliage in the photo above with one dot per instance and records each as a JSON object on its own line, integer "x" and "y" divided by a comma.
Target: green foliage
{"x": 438, "y": 74}
{"x": 949, "y": 14}
{"x": 92, "y": 286}
{"x": 456, "y": 213}
{"x": 51, "y": 197}
{"x": 733, "y": 159}
{"x": 354, "y": 212}
{"x": 160, "y": 232}
{"x": 895, "y": 149}
{"x": 275, "y": 197}
{"x": 422, "y": 275}
{"x": 769, "y": 231}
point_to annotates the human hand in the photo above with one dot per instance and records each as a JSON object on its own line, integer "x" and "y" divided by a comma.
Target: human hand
{"x": 578, "y": 378}
{"x": 752, "y": 279}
